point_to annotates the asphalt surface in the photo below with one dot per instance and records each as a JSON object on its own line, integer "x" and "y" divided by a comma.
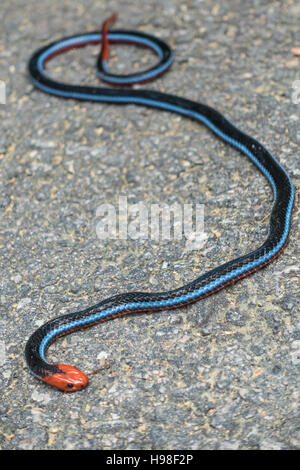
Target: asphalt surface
{"x": 220, "y": 374}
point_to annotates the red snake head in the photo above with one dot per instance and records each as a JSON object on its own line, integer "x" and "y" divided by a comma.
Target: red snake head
{"x": 69, "y": 379}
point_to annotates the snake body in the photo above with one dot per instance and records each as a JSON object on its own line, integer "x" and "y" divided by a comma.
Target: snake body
{"x": 68, "y": 378}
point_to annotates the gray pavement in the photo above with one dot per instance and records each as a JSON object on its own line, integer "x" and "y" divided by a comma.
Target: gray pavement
{"x": 221, "y": 374}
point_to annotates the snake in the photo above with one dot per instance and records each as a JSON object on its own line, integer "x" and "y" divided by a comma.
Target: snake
{"x": 68, "y": 378}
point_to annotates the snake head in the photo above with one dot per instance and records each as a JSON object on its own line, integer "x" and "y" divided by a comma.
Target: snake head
{"x": 68, "y": 379}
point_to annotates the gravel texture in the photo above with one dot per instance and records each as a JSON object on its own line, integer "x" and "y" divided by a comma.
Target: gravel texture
{"x": 221, "y": 374}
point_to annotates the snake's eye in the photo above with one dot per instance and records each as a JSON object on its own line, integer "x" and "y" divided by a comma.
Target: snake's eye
{"x": 70, "y": 385}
